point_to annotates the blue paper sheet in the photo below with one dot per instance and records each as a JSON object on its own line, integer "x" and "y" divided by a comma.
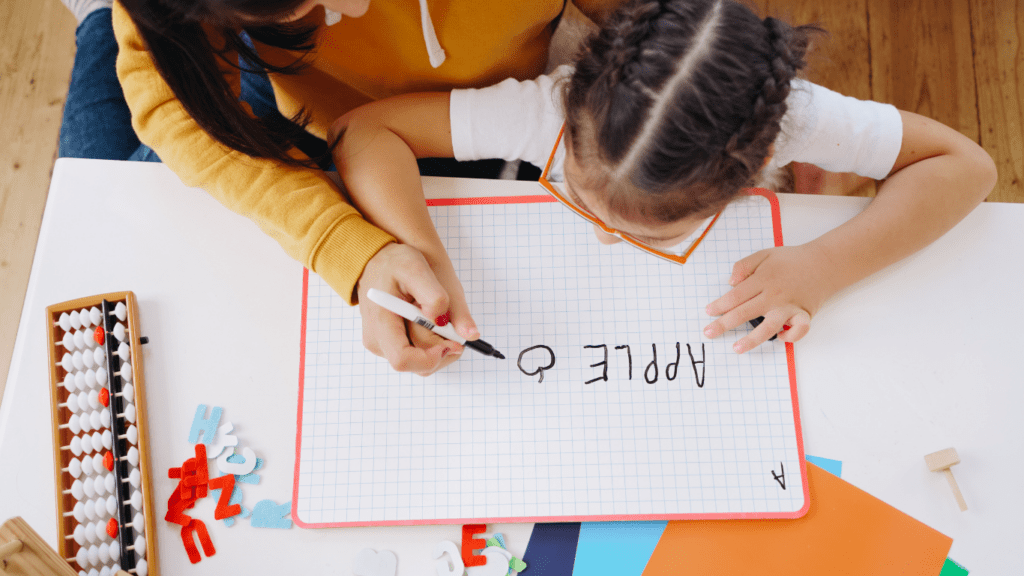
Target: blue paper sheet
{"x": 619, "y": 548}
{"x": 552, "y": 549}
{"x": 834, "y": 467}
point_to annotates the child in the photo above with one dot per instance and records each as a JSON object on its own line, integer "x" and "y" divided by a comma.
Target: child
{"x": 672, "y": 109}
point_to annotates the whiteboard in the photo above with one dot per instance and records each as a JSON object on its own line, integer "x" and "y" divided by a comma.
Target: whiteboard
{"x": 611, "y": 404}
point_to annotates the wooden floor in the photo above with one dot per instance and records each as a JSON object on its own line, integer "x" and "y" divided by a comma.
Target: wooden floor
{"x": 958, "y": 61}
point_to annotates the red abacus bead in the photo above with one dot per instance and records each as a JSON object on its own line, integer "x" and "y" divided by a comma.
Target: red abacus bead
{"x": 105, "y": 398}
{"x": 99, "y": 335}
{"x": 108, "y": 461}
{"x": 112, "y": 528}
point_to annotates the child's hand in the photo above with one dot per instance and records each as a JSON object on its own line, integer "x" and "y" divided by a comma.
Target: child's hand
{"x": 786, "y": 285}
{"x": 403, "y": 271}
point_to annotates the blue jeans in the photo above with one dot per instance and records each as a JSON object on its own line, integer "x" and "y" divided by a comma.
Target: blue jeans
{"x": 97, "y": 122}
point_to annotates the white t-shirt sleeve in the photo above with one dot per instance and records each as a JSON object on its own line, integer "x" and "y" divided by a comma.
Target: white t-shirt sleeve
{"x": 838, "y": 133}
{"x": 511, "y": 120}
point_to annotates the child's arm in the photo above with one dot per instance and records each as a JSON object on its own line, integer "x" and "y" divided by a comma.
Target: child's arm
{"x": 939, "y": 177}
{"x": 377, "y": 162}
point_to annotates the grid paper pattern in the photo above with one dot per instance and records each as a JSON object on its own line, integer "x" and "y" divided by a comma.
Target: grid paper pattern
{"x": 482, "y": 440}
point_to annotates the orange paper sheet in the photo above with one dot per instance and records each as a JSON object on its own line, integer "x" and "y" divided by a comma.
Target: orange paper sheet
{"x": 846, "y": 531}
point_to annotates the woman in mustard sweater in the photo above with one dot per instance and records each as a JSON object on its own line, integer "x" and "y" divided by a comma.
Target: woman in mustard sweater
{"x": 179, "y": 67}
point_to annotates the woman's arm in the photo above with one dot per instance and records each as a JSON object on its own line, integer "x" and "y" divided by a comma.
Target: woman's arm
{"x": 376, "y": 159}
{"x": 938, "y": 178}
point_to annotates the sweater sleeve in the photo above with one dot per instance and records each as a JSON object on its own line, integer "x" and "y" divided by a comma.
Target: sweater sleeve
{"x": 300, "y": 208}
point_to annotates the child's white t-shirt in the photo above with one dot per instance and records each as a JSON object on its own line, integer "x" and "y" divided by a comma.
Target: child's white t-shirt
{"x": 516, "y": 120}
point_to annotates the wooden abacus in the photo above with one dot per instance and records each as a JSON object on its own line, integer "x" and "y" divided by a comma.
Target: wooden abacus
{"x": 105, "y": 513}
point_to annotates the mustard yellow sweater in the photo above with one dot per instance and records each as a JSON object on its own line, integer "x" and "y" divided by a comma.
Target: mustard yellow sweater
{"x": 357, "y": 61}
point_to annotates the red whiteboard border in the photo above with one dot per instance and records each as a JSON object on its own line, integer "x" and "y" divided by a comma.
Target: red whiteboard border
{"x": 790, "y": 359}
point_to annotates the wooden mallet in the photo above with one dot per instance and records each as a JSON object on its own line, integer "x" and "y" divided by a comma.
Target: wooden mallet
{"x": 941, "y": 461}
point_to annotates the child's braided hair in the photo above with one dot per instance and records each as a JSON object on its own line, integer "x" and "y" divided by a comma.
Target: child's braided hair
{"x": 675, "y": 104}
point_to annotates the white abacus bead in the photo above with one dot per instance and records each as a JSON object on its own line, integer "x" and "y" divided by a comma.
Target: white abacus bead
{"x": 139, "y": 522}
{"x": 115, "y": 553}
{"x": 76, "y": 489}
{"x": 87, "y": 443}
{"x": 90, "y": 511}
{"x": 129, "y": 392}
{"x": 67, "y": 362}
{"x": 101, "y": 532}
{"x": 105, "y": 418}
{"x": 83, "y": 317}
{"x": 119, "y": 332}
{"x": 135, "y": 478}
{"x": 76, "y": 360}
{"x": 104, "y": 552}
{"x": 68, "y": 341}
{"x": 69, "y": 382}
{"x": 76, "y": 446}
{"x": 129, "y": 413}
{"x": 137, "y": 500}
{"x": 64, "y": 321}
{"x": 87, "y": 359}
{"x": 90, "y": 532}
{"x": 107, "y": 437}
{"x": 141, "y": 568}
{"x": 87, "y": 465}
{"x": 99, "y": 356}
{"x": 76, "y": 322}
{"x": 79, "y": 534}
{"x": 90, "y": 378}
{"x": 85, "y": 421}
{"x": 95, "y": 316}
{"x": 108, "y": 482}
{"x": 99, "y": 506}
{"x": 133, "y": 456}
{"x": 94, "y": 572}
{"x": 88, "y": 489}
{"x": 77, "y": 402}
{"x": 94, "y": 400}
{"x": 79, "y": 512}
{"x": 83, "y": 557}
{"x": 124, "y": 352}
{"x": 97, "y": 461}
{"x": 101, "y": 491}
{"x": 101, "y": 375}
{"x": 74, "y": 425}
{"x": 78, "y": 337}
{"x": 105, "y": 571}
{"x": 94, "y": 554}
{"x": 80, "y": 382}
{"x": 111, "y": 505}
{"x": 140, "y": 546}
{"x": 133, "y": 434}
{"x": 97, "y": 444}
{"x": 96, "y": 420}
{"x": 116, "y": 567}
{"x": 121, "y": 311}
{"x": 75, "y": 468}
{"x": 126, "y": 372}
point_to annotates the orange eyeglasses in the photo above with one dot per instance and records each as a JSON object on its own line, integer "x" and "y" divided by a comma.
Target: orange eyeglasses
{"x": 677, "y": 258}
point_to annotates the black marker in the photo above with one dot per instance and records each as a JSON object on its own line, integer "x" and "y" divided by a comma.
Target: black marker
{"x": 757, "y": 322}
{"x": 413, "y": 314}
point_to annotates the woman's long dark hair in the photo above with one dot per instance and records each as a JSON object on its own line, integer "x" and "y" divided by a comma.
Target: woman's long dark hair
{"x": 675, "y": 104}
{"x": 178, "y": 34}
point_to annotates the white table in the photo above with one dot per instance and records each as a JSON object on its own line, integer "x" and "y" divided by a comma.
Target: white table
{"x": 915, "y": 359}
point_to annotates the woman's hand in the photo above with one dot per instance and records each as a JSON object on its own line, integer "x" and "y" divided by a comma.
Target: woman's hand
{"x": 787, "y": 285}
{"x": 404, "y": 272}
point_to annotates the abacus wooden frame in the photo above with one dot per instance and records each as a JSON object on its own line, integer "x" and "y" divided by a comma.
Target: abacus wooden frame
{"x": 67, "y": 547}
